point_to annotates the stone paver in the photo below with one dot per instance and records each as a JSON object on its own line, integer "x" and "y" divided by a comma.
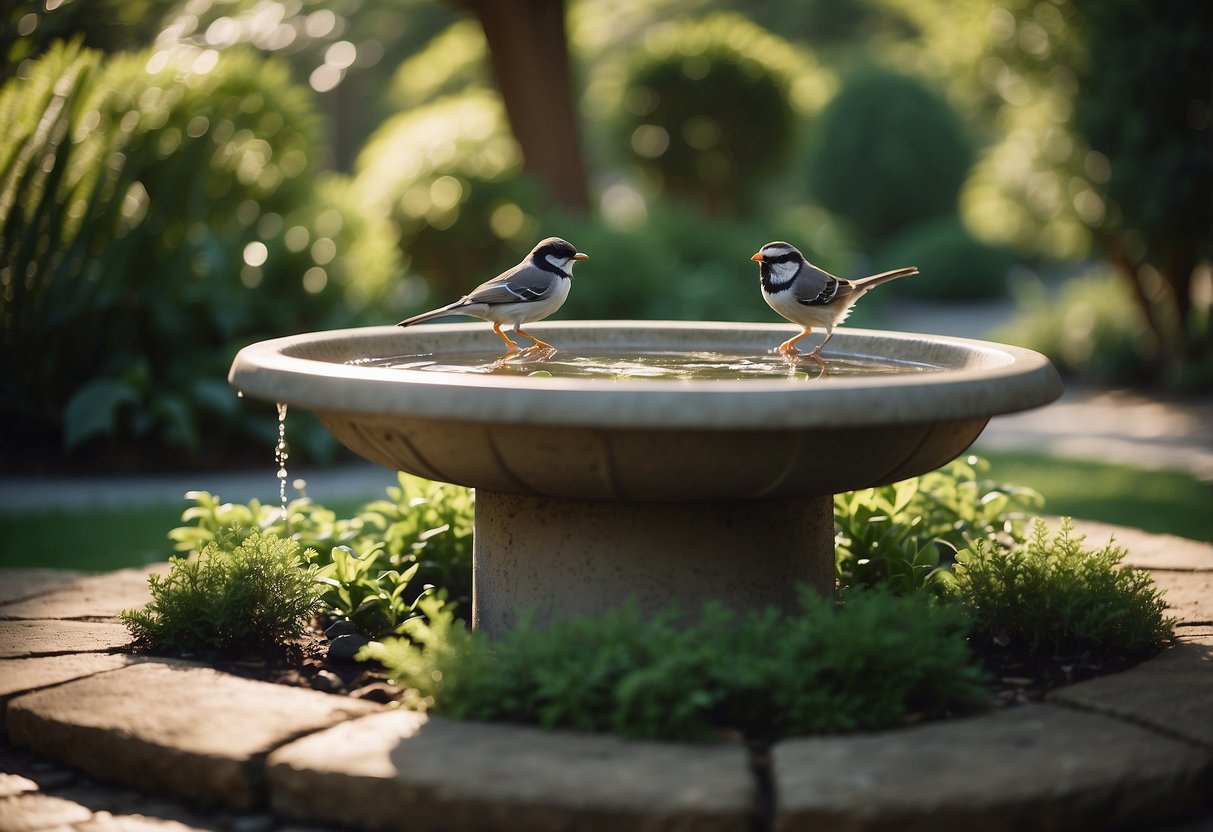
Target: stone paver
{"x": 101, "y": 596}
{"x": 1189, "y": 596}
{"x": 19, "y": 639}
{"x": 187, "y": 730}
{"x": 400, "y": 770}
{"x": 1038, "y": 767}
{"x": 1146, "y": 550}
{"x": 16, "y": 584}
{"x": 1182, "y": 674}
{"x": 22, "y": 675}
{"x": 30, "y": 812}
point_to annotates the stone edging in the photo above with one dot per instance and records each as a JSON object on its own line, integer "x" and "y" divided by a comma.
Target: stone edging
{"x": 1119, "y": 751}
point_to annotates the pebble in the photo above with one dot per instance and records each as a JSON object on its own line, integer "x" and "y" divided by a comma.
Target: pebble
{"x": 347, "y": 646}
{"x": 327, "y": 681}
{"x": 341, "y": 628}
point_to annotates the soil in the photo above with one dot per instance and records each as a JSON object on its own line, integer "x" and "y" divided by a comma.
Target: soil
{"x": 304, "y": 662}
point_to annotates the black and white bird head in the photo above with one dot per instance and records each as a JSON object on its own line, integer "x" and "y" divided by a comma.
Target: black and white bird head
{"x": 778, "y": 265}
{"x": 556, "y": 255}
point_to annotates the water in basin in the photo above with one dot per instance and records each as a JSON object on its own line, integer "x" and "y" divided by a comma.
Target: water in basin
{"x": 654, "y": 364}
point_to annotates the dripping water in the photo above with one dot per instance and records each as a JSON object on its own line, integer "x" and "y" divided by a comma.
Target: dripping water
{"x": 280, "y": 456}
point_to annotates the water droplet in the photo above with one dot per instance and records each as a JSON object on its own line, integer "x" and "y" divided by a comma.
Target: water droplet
{"x": 240, "y": 394}
{"x": 280, "y": 456}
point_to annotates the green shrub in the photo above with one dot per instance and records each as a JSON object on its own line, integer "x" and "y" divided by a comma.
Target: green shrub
{"x": 447, "y": 176}
{"x": 1057, "y": 598}
{"x": 1090, "y": 328}
{"x": 384, "y": 555}
{"x": 379, "y": 601}
{"x": 955, "y": 265}
{"x": 887, "y": 152}
{"x": 256, "y": 592}
{"x": 897, "y": 536}
{"x": 873, "y": 663}
{"x": 706, "y": 114}
{"x": 153, "y": 218}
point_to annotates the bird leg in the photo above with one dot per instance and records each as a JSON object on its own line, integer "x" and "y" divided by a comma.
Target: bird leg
{"x": 510, "y": 345}
{"x": 538, "y": 345}
{"x": 816, "y": 352}
{"x": 788, "y": 347}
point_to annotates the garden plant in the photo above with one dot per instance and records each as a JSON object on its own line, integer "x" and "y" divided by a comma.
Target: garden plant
{"x": 938, "y": 576}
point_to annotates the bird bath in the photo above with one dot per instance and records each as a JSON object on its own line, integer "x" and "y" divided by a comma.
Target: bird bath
{"x": 593, "y": 487}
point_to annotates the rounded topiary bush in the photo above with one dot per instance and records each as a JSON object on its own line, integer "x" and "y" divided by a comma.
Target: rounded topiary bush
{"x": 448, "y": 178}
{"x": 955, "y": 265}
{"x": 705, "y": 111}
{"x": 887, "y": 152}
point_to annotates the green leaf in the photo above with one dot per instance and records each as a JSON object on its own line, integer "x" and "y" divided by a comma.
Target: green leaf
{"x": 93, "y": 409}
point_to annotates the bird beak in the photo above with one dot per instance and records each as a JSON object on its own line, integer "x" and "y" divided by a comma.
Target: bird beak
{"x": 580, "y": 256}
{"x": 757, "y": 257}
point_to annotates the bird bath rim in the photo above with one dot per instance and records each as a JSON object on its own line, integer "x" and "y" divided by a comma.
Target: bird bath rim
{"x": 978, "y": 378}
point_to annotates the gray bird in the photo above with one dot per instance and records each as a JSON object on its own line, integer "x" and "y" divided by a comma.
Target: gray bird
{"x": 809, "y": 296}
{"x": 530, "y": 291}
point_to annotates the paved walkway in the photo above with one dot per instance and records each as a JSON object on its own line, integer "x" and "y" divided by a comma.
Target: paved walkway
{"x": 95, "y": 740}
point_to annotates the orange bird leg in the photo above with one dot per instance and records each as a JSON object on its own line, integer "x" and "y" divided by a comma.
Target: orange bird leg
{"x": 510, "y": 345}
{"x": 816, "y": 353}
{"x": 538, "y": 345}
{"x": 789, "y": 346}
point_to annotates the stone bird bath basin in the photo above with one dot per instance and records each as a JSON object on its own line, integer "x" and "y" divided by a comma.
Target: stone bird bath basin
{"x": 591, "y": 490}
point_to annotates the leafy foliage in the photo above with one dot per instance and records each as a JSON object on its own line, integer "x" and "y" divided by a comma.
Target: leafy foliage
{"x": 377, "y": 600}
{"x": 692, "y": 100}
{"x": 378, "y": 562}
{"x": 254, "y": 592}
{"x": 1089, "y": 327}
{"x": 955, "y": 265}
{"x": 153, "y": 218}
{"x": 1144, "y": 103}
{"x": 887, "y": 152}
{"x": 872, "y": 663}
{"x": 1056, "y": 597}
{"x": 898, "y": 535}
{"x": 447, "y": 176}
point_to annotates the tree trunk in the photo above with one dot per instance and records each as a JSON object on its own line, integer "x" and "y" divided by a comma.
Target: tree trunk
{"x": 531, "y": 62}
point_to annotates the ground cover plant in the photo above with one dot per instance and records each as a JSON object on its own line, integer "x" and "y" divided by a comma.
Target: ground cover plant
{"x": 873, "y": 662}
{"x": 248, "y": 593}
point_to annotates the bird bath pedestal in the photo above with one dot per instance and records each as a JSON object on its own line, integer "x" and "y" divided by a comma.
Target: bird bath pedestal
{"x": 593, "y": 490}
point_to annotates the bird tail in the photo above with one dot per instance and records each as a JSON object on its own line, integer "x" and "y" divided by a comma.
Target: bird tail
{"x": 884, "y": 277}
{"x": 433, "y": 313}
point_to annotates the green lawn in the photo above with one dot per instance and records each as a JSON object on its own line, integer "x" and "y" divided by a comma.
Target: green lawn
{"x": 1159, "y": 501}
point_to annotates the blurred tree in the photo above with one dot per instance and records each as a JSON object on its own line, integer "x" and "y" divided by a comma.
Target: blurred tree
{"x": 1145, "y": 106}
{"x": 530, "y": 55}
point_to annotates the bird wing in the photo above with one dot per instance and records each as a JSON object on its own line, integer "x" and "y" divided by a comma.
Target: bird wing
{"x": 515, "y": 286}
{"x": 815, "y": 287}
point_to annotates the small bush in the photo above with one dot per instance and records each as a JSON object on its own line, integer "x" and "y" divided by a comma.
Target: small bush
{"x": 706, "y": 114}
{"x": 887, "y": 152}
{"x": 955, "y": 265}
{"x": 256, "y": 592}
{"x": 1057, "y": 598}
{"x": 448, "y": 178}
{"x": 873, "y": 663}
{"x": 383, "y": 556}
{"x": 1092, "y": 328}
